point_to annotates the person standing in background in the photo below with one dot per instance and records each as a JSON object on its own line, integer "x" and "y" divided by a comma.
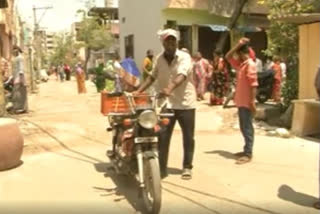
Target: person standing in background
{"x": 81, "y": 78}
{"x": 19, "y": 94}
{"x": 200, "y": 73}
{"x": 61, "y": 72}
{"x": 245, "y": 94}
{"x": 220, "y": 79}
{"x": 67, "y": 71}
{"x": 259, "y": 65}
{"x": 284, "y": 71}
{"x": 276, "y": 91}
{"x": 147, "y": 64}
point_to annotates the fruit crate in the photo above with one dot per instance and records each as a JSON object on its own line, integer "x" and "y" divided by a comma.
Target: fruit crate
{"x": 112, "y": 103}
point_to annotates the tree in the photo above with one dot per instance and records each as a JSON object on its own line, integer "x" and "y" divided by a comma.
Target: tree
{"x": 64, "y": 49}
{"x": 284, "y": 39}
{"x": 232, "y": 24}
{"x": 94, "y": 34}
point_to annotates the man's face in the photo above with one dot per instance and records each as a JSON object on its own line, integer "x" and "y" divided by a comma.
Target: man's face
{"x": 170, "y": 45}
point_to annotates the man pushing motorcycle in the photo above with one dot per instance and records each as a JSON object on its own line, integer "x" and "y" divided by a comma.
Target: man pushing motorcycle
{"x": 173, "y": 72}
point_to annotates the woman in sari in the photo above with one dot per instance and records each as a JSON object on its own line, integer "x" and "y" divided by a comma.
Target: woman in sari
{"x": 81, "y": 77}
{"x": 276, "y": 90}
{"x": 201, "y": 70}
{"x": 220, "y": 78}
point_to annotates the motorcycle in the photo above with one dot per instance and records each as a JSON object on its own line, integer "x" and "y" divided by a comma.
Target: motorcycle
{"x": 266, "y": 82}
{"x": 135, "y": 144}
{"x": 8, "y": 88}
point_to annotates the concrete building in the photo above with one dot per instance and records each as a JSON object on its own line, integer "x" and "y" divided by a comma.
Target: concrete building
{"x": 306, "y": 120}
{"x": 11, "y": 30}
{"x": 50, "y": 45}
{"x": 81, "y": 55}
{"x": 7, "y": 29}
{"x": 200, "y": 25}
{"x": 107, "y": 11}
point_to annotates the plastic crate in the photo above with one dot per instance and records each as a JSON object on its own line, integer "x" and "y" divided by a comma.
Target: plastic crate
{"x": 111, "y": 103}
{"x": 142, "y": 101}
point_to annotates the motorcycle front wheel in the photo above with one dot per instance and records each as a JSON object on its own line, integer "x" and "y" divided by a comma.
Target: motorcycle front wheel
{"x": 151, "y": 193}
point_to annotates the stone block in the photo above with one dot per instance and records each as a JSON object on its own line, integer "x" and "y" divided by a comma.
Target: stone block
{"x": 267, "y": 112}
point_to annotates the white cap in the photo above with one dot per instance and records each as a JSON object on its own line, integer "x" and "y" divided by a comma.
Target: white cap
{"x": 163, "y": 34}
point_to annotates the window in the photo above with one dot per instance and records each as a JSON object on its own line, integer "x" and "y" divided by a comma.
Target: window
{"x": 129, "y": 46}
{"x": 171, "y": 24}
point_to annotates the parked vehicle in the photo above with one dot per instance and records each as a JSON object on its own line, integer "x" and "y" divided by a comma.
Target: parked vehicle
{"x": 44, "y": 75}
{"x": 266, "y": 81}
{"x": 264, "y": 91}
{"x": 8, "y": 87}
{"x": 135, "y": 125}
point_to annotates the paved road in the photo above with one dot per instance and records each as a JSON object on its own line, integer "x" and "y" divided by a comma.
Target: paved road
{"x": 72, "y": 174}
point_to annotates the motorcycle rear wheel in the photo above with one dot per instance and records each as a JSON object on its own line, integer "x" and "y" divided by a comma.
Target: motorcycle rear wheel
{"x": 151, "y": 194}
{"x": 262, "y": 97}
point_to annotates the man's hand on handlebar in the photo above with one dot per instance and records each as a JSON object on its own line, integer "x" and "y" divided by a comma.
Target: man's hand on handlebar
{"x": 166, "y": 92}
{"x": 136, "y": 93}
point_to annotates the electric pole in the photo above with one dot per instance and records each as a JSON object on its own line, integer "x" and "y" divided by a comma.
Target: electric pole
{"x": 38, "y": 40}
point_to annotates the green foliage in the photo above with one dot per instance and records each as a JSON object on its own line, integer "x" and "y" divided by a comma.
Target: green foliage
{"x": 100, "y": 79}
{"x": 64, "y": 49}
{"x": 290, "y": 89}
{"x": 284, "y": 40}
{"x": 93, "y": 33}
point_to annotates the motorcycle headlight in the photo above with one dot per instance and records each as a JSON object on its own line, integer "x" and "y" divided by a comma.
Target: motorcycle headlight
{"x": 148, "y": 119}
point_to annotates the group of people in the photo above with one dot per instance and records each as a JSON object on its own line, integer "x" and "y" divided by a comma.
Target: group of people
{"x": 183, "y": 80}
{"x": 216, "y": 78}
{"x": 175, "y": 71}
{"x": 63, "y": 72}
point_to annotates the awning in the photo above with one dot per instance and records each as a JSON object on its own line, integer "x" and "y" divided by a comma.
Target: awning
{"x": 303, "y": 18}
{"x": 219, "y": 28}
{"x": 222, "y": 28}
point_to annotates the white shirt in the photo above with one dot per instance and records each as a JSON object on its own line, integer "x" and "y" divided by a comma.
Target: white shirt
{"x": 184, "y": 96}
{"x": 259, "y": 65}
{"x": 283, "y": 69}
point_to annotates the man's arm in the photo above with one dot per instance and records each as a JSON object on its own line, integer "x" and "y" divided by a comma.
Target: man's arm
{"x": 146, "y": 84}
{"x": 241, "y": 42}
{"x": 253, "y": 107}
{"x": 180, "y": 78}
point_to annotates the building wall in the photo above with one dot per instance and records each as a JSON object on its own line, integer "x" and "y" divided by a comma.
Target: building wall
{"x": 143, "y": 19}
{"x": 309, "y": 56}
{"x": 190, "y": 17}
{"x": 188, "y": 4}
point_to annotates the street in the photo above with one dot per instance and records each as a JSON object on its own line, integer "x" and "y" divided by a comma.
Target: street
{"x": 65, "y": 169}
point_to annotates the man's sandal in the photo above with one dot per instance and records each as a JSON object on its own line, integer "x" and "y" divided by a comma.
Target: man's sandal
{"x": 244, "y": 159}
{"x": 186, "y": 174}
{"x": 317, "y": 205}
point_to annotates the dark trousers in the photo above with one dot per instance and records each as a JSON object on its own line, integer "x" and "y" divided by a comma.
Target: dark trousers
{"x": 68, "y": 75}
{"x": 186, "y": 120}
{"x": 247, "y": 130}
